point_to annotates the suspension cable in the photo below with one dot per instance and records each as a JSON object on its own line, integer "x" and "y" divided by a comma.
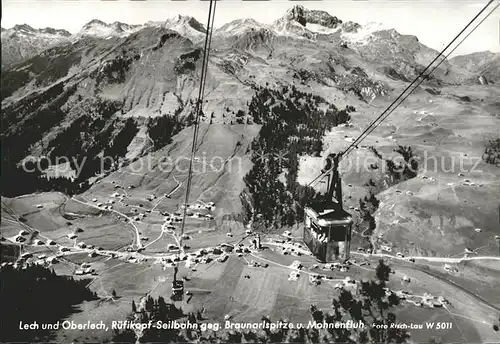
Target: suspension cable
{"x": 198, "y": 109}
{"x": 211, "y": 25}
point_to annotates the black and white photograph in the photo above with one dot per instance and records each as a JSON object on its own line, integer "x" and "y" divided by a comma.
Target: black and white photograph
{"x": 229, "y": 171}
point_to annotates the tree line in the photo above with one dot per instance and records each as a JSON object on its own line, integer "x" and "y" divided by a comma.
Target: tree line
{"x": 492, "y": 152}
{"x": 293, "y": 125}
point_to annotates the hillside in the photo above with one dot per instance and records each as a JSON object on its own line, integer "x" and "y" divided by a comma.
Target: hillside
{"x": 484, "y": 65}
{"x": 107, "y": 114}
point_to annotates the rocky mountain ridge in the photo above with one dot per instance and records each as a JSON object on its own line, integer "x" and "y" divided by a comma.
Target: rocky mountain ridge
{"x": 22, "y": 42}
{"x": 28, "y": 30}
{"x": 373, "y": 40}
{"x": 98, "y": 28}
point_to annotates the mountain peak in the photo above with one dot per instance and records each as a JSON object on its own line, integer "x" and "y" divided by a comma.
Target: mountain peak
{"x": 120, "y": 27}
{"x": 182, "y": 20}
{"x": 94, "y": 23}
{"x": 186, "y": 26}
{"x": 98, "y": 28}
{"x": 296, "y": 10}
{"x": 23, "y": 27}
{"x": 305, "y": 16}
{"x": 301, "y": 22}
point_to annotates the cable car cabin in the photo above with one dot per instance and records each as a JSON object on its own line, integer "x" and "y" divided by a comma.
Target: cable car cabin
{"x": 177, "y": 290}
{"x": 327, "y": 233}
{"x": 327, "y": 226}
{"x": 177, "y": 287}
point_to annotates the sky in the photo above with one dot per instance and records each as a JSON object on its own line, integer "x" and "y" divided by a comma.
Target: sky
{"x": 434, "y": 22}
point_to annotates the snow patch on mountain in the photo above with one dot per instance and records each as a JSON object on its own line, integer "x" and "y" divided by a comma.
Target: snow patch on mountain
{"x": 25, "y": 30}
{"x": 284, "y": 27}
{"x": 321, "y": 29}
{"x": 187, "y": 26}
{"x": 363, "y": 34}
{"x": 98, "y": 28}
{"x": 239, "y": 27}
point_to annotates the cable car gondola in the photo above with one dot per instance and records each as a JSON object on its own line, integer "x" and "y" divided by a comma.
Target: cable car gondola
{"x": 327, "y": 226}
{"x": 177, "y": 287}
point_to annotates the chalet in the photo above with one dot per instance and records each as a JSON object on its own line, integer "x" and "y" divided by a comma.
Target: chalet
{"x": 26, "y": 255}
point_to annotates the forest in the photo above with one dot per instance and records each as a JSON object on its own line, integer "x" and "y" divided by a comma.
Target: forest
{"x": 492, "y": 152}
{"x": 92, "y": 143}
{"x": 293, "y": 124}
{"x": 35, "y": 293}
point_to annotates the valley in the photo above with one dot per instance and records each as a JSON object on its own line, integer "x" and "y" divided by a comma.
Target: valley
{"x": 119, "y": 100}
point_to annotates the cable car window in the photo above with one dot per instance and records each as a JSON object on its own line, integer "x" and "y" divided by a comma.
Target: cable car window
{"x": 338, "y": 233}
